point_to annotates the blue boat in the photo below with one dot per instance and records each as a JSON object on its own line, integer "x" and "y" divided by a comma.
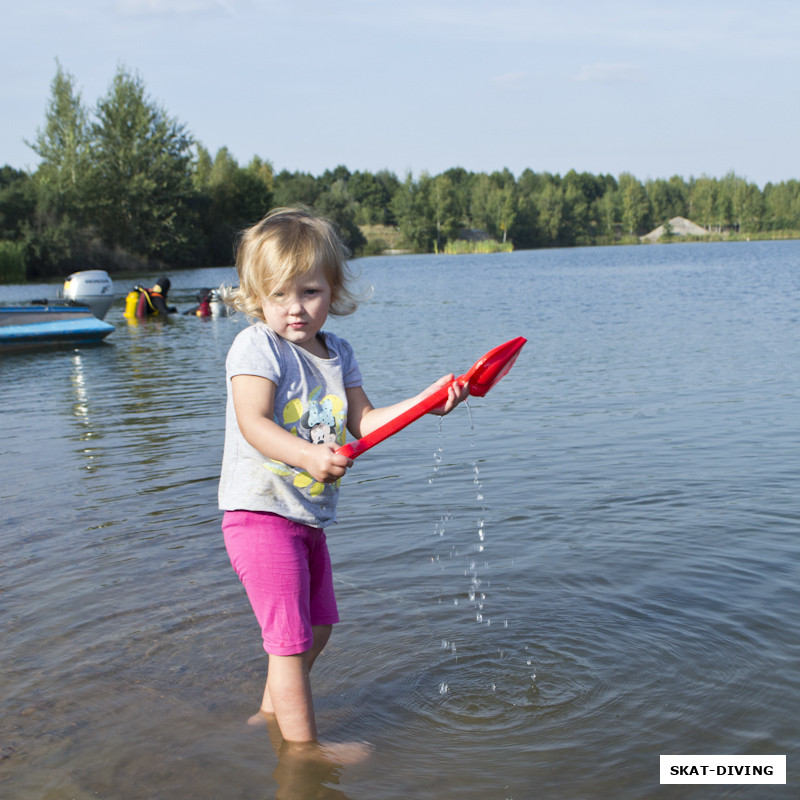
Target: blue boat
{"x": 77, "y": 319}
{"x": 27, "y": 327}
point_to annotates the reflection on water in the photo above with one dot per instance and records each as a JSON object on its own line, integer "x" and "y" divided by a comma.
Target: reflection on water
{"x": 591, "y": 566}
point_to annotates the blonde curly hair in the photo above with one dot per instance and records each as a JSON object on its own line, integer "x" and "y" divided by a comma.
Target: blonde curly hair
{"x": 288, "y": 243}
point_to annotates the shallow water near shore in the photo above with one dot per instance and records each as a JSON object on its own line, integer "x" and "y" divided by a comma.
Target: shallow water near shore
{"x": 595, "y": 564}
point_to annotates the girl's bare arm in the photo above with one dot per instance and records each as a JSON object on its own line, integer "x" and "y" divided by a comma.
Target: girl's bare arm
{"x": 254, "y": 402}
{"x": 363, "y": 417}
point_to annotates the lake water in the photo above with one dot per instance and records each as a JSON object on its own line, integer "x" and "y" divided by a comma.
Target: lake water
{"x": 595, "y": 564}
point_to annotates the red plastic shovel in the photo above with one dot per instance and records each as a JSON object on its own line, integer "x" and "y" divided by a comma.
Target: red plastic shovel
{"x": 483, "y": 374}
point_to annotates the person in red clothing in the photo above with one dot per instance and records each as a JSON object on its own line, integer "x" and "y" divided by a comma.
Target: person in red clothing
{"x": 203, "y": 308}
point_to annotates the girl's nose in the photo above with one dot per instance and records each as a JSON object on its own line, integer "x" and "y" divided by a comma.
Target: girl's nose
{"x": 295, "y": 306}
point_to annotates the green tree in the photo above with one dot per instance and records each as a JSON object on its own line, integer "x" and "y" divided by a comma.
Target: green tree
{"x": 667, "y": 199}
{"x": 63, "y": 146}
{"x": 460, "y": 182}
{"x": 17, "y": 209}
{"x": 550, "y": 208}
{"x": 581, "y": 194}
{"x": 232, "y": 198}
{"x": 261, "y": 169}
{"x": 372, "y": 195}
{"x": 782, "y": 205}
{"x": 390, "y": 184}
{"x": 679, "y": 191}
{"x": 339, "y": 175}
{"x": 527, "y": 231}
{"x": 336, "y": 204}
{"x": 724, "y": 216}
{"x": 57, "y": 234}
{"x": 634, "y": 203}
{"x": 203, "y": 164}
{"x": 142, "y": 174}
{"x": 703, "y": 199}
{"x": 738, "y": 201}
{"x": 17, "y": 202}
{"x": 607, "y": 212}
{"x": 240, "y": 196}
{"x": 293, "y": 188}
{"x": 493, "y": 206}
{"x": 411, "y": 206}
{"x": 750, "y": 209}
{"x": 445, "y": 207}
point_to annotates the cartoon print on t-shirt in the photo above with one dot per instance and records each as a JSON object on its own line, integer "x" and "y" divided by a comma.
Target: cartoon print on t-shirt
{"x": 322, "y": 422}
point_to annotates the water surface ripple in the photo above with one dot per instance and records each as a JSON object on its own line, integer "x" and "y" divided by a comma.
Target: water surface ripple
{"x": 594, "y": 565}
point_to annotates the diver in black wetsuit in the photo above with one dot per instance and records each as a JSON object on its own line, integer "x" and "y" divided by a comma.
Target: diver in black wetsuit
{"x": 154, "y": 301}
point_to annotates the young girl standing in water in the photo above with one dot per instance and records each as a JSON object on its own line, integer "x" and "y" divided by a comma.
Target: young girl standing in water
{"x": 293, "y": 391}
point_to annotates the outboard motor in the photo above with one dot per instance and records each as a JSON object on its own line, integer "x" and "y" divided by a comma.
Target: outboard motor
{"x": 218, "y": 308}
{"x": 92, "y": 288}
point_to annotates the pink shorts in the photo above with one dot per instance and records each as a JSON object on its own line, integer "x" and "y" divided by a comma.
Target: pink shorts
{"x": 286, "y": 571}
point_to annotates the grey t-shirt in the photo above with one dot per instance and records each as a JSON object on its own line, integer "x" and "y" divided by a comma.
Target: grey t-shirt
{"x": 310, "y": 402}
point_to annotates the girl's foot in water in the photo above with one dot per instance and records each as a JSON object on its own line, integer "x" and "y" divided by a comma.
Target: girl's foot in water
{"x": 261, "y": 718}
{"x": 333, "y": 753}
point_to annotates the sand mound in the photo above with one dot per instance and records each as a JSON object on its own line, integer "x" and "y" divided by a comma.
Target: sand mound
{"x": 679, "y": 226}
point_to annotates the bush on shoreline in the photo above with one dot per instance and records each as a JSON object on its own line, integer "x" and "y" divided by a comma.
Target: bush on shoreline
{"x": 12, "y": 262}
{"x": 464, "y": 246}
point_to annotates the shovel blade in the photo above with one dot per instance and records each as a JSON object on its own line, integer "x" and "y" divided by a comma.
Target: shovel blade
{"x": 489, "y": 369}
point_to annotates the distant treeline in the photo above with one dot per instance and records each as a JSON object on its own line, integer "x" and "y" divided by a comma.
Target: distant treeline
{"x": 125, "y": 186}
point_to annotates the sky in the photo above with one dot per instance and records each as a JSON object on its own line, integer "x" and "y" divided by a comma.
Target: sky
{"x": 651, "y": 88}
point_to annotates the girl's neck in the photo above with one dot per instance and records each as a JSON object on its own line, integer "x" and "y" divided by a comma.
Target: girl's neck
{"x": 316, "y": 346}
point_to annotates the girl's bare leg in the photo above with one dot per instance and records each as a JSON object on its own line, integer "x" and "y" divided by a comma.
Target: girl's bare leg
{"x": 321, "y": 635}
{"x": 289, "y": 689}
{"x": 287, "y": 700}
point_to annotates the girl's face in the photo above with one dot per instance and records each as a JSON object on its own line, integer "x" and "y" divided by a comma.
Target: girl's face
{"x": 297, "y": 310}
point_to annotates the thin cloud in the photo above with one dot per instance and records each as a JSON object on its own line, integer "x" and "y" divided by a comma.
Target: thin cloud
{"x": 510, "y": 79}
{"x": 603, "y": 72}
{"x": 170, "y": 7}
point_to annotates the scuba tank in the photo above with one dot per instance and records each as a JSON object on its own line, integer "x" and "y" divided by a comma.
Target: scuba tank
{"x": 131, "y": 303}
{"x": 139, "y": 302}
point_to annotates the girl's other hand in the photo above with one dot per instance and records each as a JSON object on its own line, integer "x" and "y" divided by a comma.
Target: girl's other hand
{"x": 322, "y": 462}
{"x": 455, "y": 394}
